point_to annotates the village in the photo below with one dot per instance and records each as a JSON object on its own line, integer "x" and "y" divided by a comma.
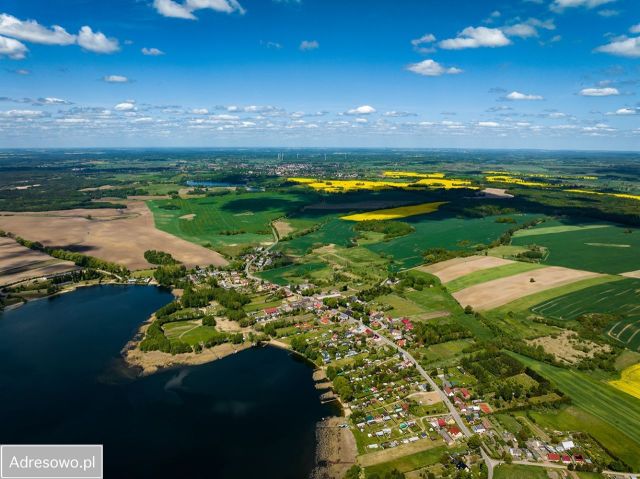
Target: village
{"x": 388, "y": 406}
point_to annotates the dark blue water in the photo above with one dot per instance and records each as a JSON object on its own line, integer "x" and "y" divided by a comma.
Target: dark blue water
{"x": 249, "y": 415}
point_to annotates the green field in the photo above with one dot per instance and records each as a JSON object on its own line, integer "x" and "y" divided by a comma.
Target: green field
{"x": 527, "y": 302}
{"x": 485, "y": 275}
{"x": 592, "y": 247}
{"x": 294, "y": 273}
{"x": 515, "y": 471}
{"x": 617, "y": 409}
{"x": 335, "y": 231}
{"x": 245, "y": 218}
{"x": 410, "y": 462}
{"x": 443, "y": 352}
{"x": 190, "y": 332}
{"x": 619, "y": 298}
{"x": 438, "y": 231}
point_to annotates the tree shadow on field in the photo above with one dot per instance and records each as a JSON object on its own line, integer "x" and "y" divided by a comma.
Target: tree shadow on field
{"x": 261, "y": 204}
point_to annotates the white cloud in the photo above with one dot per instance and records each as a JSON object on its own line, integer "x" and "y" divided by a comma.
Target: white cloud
{"x": 398, "y": 114}
{"x": 516, "y": 96}
{"x": 623, "y": 112}
{"x": 169, "y": 8}
{"x": 52, "y": 101}
{"x": 608, "y": 91}
{"x": 125, "y": 106}
{"x": 622, "y": 47}
{"x": 608, "y": 13}
{"x": 361, "y": 110}
{"x": 475, "y": 37}
{"x": 22, "y": 71}
{"x": 116, "y": 79}
{"x": 431, "y": 68}
{"x": 307, "y": 45}
{"x": 153, "y": 52}
{"x": 12, "y": 48}
{"x": 22, "y": 114}
{"x": 427, "y": 38}
{"x": 635, "y": 28}
{"x": 96, "y": 42}
{"x": 560, "y": 5}
{"x": 488, "y": 124}
{"x": 200, "y": 111}
{"x": 32, "y": 31}
{"x": 522, "y": 30}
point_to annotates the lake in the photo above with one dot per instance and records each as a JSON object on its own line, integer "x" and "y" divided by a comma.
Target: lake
{"x": 62, "y": 381}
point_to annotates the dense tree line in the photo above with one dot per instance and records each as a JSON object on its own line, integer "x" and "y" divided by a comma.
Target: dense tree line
{"x": 170, "y": 274}
{"x": 159, "y": 257}
{"x": 79, "y": 259}
{"x": 429, "y": 333}
{"x": 372, "y": 293}
{"x": 436, "y": 255}
{"x": 390, "y": 229}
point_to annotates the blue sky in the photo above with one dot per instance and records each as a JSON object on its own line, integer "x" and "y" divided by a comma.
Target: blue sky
{"x": 413, "y": 73}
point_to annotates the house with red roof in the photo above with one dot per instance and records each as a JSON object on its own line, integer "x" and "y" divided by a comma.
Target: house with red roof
{"x": 553, "y": 457}
{"x": 566, "y": 459}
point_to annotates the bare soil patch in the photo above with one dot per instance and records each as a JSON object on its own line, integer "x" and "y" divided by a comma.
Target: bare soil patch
{"x": 283, "y": 228}
{"x": 568, "y": 348}
{"x": 119, "y": 235}
{"x": 189, "y": 217}
{"x": 151, "y": 362}
{"x": 495, "y": 193}
{"x": 427, "y": 398}
{"x": 495, "y": 293}
{"x": 632, "y": 274}
{"x": 18, "y": 263}
{"x": 458, "y": 267}
{"x": 336, "y": 449}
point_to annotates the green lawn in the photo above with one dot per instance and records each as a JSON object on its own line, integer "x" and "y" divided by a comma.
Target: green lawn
{"x": 617, "y": 409}
{"x": 601, "y": 248}
{"x": 294, "y": 273}
{"x": 189, "y": 332}
{"x": 514, "y": 471}
{"x": 401, "y": 306}
{"x": 410, "y": 462}
{"x": 485, "y": 275}
{"x": 443, "y": 352}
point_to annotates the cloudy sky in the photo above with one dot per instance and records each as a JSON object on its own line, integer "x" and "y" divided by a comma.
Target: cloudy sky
{"x": 407, "y": 73}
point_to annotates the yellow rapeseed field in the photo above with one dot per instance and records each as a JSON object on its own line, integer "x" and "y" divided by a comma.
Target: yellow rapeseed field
{"x": 540, "y": 175}
{"x": 396, "y": 213}
{"x": 630, "y": 381}
{"x": 411, "y": 174}
{"x": 515, "y": 181}
{"x": 341, "y": 186}
{"x": 617, "y": 195}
